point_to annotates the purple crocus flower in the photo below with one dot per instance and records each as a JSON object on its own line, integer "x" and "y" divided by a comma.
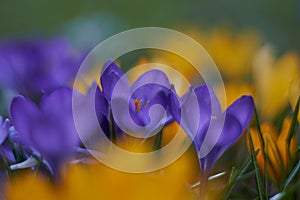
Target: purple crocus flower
{"x": 47, "y": 128}
{"x": 140, "y": 109}
{"x": 212, "y": 131}
{"x": 34, "y": 67}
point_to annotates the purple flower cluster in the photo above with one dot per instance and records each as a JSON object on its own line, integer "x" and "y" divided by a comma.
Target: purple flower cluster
{"x": 198, "y": 112}
{"x": 42, "y": 116}
{"x": 41, "y": 72}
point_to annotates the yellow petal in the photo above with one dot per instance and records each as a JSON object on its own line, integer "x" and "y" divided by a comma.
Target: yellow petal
{"x": 282, "y": 143}
{"x": 270, "y": 137}
{"x": 272, "y": 80}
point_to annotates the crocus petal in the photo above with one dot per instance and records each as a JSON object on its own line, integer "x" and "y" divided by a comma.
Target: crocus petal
{"x": 57, "y": 106}
{"x": 102, "y": 111}
{"x": 238, "y": 117}
{"x": 110, "y": 75}
{"x": 156, "y": 77}
{"x": 129, "y": 124}
{"x": 148, "y": 95}
{"x": 24, "y": 114}
{"x": 198, "y": 107}
{"x": 32, "y": 67}
{"x": 58, "y": 101}
{"x": 242, "y": 109}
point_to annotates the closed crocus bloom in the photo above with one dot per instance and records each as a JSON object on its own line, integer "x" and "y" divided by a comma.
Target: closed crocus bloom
{"x": 47, "y": 128}
{"x": 272, "y": 79}
{"x": 33, "y": 67}
{"x": 276, "y": 148}
{"x": 213, "y": 131}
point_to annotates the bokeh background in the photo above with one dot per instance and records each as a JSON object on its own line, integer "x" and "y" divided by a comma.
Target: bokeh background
{"x": 277, "y": 20}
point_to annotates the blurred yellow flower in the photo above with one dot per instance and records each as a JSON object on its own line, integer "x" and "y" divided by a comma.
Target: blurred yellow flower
{"x": 97, "y": 181}
{"x": 101, "y": 182}
{"x": 232, "y": 52}
{"x": 276, "y": 147}
{"x": 233, "y": 91}
{"x": 272, "y": 80}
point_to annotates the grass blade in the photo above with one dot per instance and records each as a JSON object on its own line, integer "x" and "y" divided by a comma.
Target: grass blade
{"x": 291, "y": 176}
{"x": 263, "y": 145}
{"x": 257, "y": 175}
{"x": 294, "y": 124}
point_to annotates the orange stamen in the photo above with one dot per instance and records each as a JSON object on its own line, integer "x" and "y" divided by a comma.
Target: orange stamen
{"x": 139, "y": 106}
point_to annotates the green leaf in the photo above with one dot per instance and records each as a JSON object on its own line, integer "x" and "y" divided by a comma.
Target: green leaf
{"x": 294, "y": 124}
{"x": 263, "y": 145}
{"x": 158, "y": 140}
{"x": 291, "y": 176}
{"x": 257, "y": 174}
{"x": 238, "y": 175}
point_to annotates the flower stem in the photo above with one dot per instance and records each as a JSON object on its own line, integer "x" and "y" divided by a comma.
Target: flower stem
{"x": 157, "y": 141}
{"x": 203, "y": 185}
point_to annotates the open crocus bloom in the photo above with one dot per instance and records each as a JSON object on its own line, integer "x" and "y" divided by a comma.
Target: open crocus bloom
{"x": 47, "y": 128}
{"x": 212, "y": 130}
{"x": 140, "y": 109}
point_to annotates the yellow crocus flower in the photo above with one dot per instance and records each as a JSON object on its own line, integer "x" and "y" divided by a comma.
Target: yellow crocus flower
{"x": 276, "y": 147}
{"x": 232, "y": 52}
{"x": 272, "y": 80}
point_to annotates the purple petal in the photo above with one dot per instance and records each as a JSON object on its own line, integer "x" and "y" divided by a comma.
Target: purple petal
{"x": 59, "y": 101}
{"x": 198, "y": 107}
{"x": 102, "y": 111}
{"x": 242, "y": 109}
{"x": 24, "y": 115}
{"x": 230, "y": 134}
{"x": 238, "y": 117}
{"x": 147, "y": 96}
{"x": 109, "y": 77}
{"x": 152, "y": 77}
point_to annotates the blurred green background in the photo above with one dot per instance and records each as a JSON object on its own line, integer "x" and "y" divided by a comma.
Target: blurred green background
{"x": 278, "y": 20}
